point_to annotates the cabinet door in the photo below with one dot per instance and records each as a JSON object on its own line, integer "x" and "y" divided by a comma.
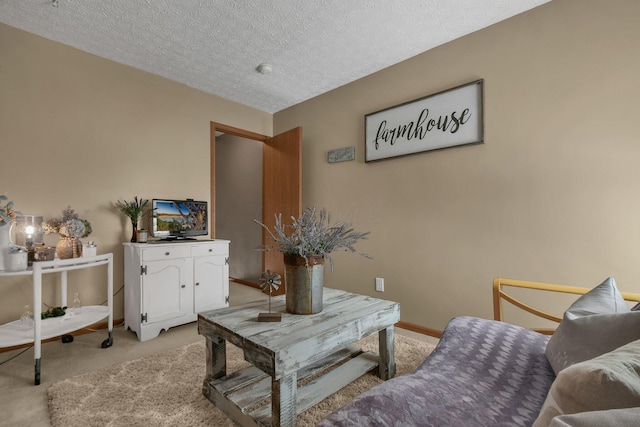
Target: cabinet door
{"x": 165, "y": 294}
{"x": 211, "y": 283}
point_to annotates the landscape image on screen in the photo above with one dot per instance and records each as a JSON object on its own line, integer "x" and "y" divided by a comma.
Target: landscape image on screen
{"x": 178, "y": 217}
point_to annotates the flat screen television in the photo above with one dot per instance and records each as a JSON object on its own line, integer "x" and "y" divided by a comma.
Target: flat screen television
{"x": 179, "y": 219}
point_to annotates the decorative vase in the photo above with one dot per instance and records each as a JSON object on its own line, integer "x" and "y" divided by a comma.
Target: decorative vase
{"x": 69, "y": 247}
{"x": 134, "y": 236}
{"x": 303, "y": 284}
{"x": 5, "y": 242}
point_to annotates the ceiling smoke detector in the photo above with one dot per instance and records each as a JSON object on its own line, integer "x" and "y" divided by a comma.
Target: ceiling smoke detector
{"x": 264, "y": 69}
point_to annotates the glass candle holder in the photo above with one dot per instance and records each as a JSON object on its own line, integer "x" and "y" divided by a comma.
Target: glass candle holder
{"x": 28, "y": 230}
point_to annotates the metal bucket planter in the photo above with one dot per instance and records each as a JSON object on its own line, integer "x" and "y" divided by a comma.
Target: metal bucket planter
{"x": 304, "y": 283}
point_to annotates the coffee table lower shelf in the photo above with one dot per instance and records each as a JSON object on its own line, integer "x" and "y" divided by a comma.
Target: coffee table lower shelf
{"x": 245, "y": 395}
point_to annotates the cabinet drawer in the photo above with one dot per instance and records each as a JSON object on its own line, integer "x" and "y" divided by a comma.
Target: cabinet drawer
{"x": 209, "y": 249}
{"x": 154, "y": 254}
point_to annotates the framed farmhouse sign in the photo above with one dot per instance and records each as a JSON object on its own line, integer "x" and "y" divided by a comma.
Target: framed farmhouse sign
{"x": 445, "y": 119}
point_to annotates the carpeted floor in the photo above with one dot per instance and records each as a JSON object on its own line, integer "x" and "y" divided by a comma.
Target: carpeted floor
{"x": 165, "y": 389}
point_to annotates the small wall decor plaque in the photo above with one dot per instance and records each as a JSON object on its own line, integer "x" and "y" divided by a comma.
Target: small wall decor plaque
{"x": 445, "y": 119}
{"x": 341, "y": 154}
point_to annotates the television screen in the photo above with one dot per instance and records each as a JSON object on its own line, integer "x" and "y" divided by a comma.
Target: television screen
{"x": 179, "y": 218}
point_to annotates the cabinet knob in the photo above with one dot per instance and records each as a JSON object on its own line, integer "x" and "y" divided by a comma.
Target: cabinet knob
{"x": 210, "y": 250}
{"x": 183, "y": 286}
{"x": 167, "y": 253}
{"x": 197, "y": 283}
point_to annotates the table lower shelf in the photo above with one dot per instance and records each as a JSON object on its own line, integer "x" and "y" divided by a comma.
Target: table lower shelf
{"x": 245, "y": 395}
{"x": 13, "y": 333}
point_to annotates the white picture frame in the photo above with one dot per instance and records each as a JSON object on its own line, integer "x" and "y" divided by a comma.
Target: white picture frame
{"x": 445, "y": 119}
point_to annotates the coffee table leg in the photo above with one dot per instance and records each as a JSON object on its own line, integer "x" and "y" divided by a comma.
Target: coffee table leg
{"x": 216, "y": 357}
{"x": 283, "y": 400}
{"x": 387, "y": 363}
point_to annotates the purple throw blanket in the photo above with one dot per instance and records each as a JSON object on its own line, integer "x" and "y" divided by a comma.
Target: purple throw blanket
{"x": 482, "y": 373}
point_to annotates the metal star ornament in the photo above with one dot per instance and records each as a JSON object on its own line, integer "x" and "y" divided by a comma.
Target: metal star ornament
{"x": 270, "y": 281}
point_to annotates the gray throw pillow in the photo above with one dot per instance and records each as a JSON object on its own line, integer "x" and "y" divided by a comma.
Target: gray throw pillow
{"x": 596, "y": 323}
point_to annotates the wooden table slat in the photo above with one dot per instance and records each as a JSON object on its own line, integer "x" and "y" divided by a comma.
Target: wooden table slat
{"x": 319, "y": 389}
{"x": 318, "y": 323}
{"x": 298, "y": 353}
{"x": 344, "y": 312}
{"x": 244, "y": 321}
{"x": 239, "y": 379}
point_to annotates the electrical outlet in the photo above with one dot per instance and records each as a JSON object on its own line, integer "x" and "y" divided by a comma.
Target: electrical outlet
{"x": 379, "y": 284}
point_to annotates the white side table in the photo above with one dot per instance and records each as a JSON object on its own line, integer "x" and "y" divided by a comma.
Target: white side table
{"x": 13, "y": 333}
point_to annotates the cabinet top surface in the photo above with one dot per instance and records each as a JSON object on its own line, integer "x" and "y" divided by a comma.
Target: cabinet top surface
{"x": 157, "y": 243}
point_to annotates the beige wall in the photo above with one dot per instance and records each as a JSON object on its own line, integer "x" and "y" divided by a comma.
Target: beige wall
{"x": 83, "y": 131}
{"x": 551, "y": 196}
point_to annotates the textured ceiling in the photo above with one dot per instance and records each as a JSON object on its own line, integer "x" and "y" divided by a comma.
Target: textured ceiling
{"x": 313, "y": 46}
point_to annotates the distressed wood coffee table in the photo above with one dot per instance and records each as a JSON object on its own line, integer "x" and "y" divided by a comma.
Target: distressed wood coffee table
{"x": 283, "y": 353}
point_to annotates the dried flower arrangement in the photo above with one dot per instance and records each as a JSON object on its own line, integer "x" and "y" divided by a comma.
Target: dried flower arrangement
{"x": 7, "y": 213}
{"x": 313, "y": 235}
{"x": 70, "y": 225}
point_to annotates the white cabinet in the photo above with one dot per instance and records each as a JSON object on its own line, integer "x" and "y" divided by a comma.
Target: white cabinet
{"x": 168, "y": 284}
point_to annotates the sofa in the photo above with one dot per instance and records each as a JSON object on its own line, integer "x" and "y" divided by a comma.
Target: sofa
{"x": 492, "y": 373}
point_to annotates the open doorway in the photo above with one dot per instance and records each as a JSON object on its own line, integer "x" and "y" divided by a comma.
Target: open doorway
{"x": 281, "y": 185}
{"x": 238, "y": 201}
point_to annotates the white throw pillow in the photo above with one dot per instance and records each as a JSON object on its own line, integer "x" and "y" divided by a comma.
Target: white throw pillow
{"x": 628, "y": 417}
{"x": 610, "y": 381}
